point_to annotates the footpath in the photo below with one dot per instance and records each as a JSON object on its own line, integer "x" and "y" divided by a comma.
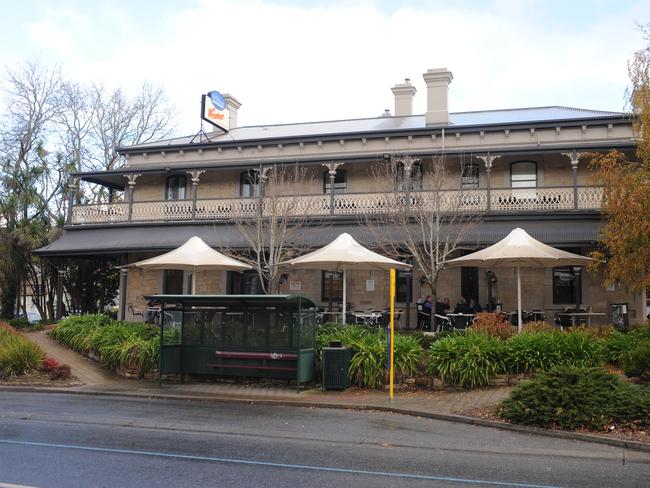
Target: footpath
{"x": 451, "y": 405}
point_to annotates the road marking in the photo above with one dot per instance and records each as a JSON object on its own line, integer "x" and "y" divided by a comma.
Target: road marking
{"x": 9, "y": 485}
{"x": 279, "y": 465}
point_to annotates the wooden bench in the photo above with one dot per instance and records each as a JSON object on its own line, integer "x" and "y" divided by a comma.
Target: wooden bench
{"x": 232, "y": 356}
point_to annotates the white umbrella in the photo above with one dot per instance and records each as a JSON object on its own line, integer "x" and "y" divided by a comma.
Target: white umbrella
{"x": 194, "y": 254}
{"x": 518, "y": 249}
{"x": 342, "y": 254}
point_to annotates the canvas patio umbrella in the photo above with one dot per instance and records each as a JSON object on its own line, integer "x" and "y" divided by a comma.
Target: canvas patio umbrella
{"x": 518, "y": 249}
{"x": 343, "y": 254}
{"x": 192, "y": 256}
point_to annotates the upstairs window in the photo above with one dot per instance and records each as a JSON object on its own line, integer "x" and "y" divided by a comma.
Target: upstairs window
{"x": 175, "y": 186}
{"x": 524, "y": 175}
{"x": 340, "y": 181}
{"x": 469, "y": 176}
{"x": 249, "y": 184}
{"x": 415, "y": 177}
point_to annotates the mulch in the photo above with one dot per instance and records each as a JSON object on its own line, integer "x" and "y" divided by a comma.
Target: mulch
{"x": 491, "y": 413}
{"x": 38, "y": 378}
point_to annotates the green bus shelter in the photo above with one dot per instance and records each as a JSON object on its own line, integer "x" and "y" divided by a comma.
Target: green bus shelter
{"x": 272, "y": 336}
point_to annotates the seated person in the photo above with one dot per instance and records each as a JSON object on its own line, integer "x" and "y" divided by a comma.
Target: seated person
{"x": 442, "y": 307}
{"x": 474, "y": 306}
{"x": 427, "y": 306}
{"x": 462, "y": 307}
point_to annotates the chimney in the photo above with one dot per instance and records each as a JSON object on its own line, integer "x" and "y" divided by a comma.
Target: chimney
{"x": 437, "y": 81}
{"x": 404, "y": 93}
{"x": 233, "y": 105}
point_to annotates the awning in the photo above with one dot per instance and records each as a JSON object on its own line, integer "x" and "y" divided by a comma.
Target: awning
{"x": 122, "y": 239}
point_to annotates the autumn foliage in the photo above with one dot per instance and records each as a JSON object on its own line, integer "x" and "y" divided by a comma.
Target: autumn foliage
{"x": 625, "y": 241}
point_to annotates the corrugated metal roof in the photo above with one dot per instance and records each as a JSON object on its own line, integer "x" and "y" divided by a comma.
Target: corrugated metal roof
{"x": 388, "y": 124}
{"x": 106, "y": 240}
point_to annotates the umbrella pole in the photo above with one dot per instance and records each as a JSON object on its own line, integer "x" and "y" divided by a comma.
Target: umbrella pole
{"x": 518, "y": 299}
{"x": 194, "y": 280}
{"x": 344, "y": 295}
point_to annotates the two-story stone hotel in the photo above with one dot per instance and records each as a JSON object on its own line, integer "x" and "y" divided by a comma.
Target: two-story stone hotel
{"x": 177, "y": 188}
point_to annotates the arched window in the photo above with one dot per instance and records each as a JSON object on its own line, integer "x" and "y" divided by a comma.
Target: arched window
{"x": 249, "y": 184}
{"x": 415, "y": 177}
{"x": 340, "y": 181}
{"x": 175, "y": 186}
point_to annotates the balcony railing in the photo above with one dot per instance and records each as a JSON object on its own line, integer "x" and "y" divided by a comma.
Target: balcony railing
{"x": 497, "y": 200}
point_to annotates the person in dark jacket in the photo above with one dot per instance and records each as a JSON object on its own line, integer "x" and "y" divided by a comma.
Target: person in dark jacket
{"x": 474, "y": 306}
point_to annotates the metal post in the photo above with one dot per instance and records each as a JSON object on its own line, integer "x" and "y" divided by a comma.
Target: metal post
{"x": 518, "y": 300}
{"x": 332, "y": 174}
{"x": 160, "y": 350}
{"x": 488, "y": 171}
{"x": 123, "y": 284}
{"x": 59, "y": 294}
{"x": 195, "y": 188}
{"x": 574, "y": 169}
{"x": 391, "y": 373}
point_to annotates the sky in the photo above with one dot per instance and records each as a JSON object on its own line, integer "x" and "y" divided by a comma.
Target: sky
{"x": 298, "y": 61}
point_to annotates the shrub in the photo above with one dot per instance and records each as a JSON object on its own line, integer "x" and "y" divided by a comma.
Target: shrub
{"x": 61, "y": 372}
{"x": 425, "y": 340}
{"x": 369, "y": 359}
{"x": 19, "y": 323}
{"x": 618, "y": 344}
{"x": 407, "y": 355}
{"x": 121, "y": 345}
{"x": 537, "y": 326}
{"x": 572, "y": 398}
{"x": 18, "y": 355}
{"x": 637, "y": 362}
{"x": 368, "y": 364}
{"x": 468, "y": 360}
{"x": 533, "y": 352}
{"x": 530, "y": 352}
{"x": 48, "y": 364}
{"x": 493, "y": 324}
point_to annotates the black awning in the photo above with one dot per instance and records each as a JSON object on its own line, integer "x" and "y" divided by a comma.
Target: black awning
{"x": 123, "y": 239}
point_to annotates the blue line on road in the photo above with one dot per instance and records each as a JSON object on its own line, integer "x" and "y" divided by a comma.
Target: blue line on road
{"x": 279, "y": 465}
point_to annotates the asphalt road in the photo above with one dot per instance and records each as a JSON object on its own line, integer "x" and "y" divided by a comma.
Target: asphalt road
{"x": 58, "y": 440}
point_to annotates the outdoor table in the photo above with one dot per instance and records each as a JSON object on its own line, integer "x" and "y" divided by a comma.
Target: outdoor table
{"x": 329, "y": 317}
{"x": 457, "y": 318}
{"x": 588, "y": 315}
{"x": 368, "y": 318}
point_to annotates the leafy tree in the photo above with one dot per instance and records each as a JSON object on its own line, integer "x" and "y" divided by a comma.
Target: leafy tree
{"x": 625, "y": 242}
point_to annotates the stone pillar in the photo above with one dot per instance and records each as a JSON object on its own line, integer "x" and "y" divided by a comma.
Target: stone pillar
{"x": 123, "y": 284}
{"x": 129, "y": 192}
{"x": 59, "y": 293}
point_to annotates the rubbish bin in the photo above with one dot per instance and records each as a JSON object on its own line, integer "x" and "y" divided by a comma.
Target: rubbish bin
{"x": 620, "y": 316}
{"x": 336, "y": 364}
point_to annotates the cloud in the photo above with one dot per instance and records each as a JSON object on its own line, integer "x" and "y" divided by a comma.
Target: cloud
{"x": 289, "y": 63}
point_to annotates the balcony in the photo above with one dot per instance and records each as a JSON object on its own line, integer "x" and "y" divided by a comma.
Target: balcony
{"x": 496, "y": 201}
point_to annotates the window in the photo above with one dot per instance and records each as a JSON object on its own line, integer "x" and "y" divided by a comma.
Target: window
{"x": 173, "y": 282}
{"x": 469, "y": 176}
{"x": 249, "y": 184}
{"x": 566, "y": 285}
{"x": 523, "y": 175}
{"x": 403, "y": 287}
{"x": 415, "y": 177}
{"x": 340, "y": 181}
{"x": 175, "y": 187}
{"x": 246, "y": 283}
{"x": 332, "y": 285}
